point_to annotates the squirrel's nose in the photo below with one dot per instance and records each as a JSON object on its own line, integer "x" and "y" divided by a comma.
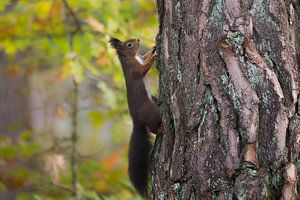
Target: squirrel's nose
{"x": 138, "y": 40}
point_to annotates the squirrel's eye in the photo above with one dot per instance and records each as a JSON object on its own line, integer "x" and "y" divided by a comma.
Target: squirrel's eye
{"x": 129, "y": 44}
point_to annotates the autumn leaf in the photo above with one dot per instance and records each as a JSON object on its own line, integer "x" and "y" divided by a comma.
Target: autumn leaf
{"x": 55, "y": 164}
{"x": 95, "y": 24}
{"x": 110, "y": 160}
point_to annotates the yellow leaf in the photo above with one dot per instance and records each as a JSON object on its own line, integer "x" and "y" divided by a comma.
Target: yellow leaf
{"x": 102, "y": 59}
{"x": 42, "y": 8}
{"x": 9, "y": 46}
{"x": 65, "y": 71}
{"x": 72, "y": 67}
{"x": 77, "y": 71}
{"x": 102, "y": 186}
{"x": 56, "y": 8}
{"x": 95, "y": 24}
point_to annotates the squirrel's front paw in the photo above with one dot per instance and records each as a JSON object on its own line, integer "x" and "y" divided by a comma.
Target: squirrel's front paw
{"x": 160, "y": 130}
{"x": 153, "y": 50}
{"x": 153, "y": 56}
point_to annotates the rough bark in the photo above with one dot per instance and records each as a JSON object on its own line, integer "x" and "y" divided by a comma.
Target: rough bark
{"x": 229, "y": 93}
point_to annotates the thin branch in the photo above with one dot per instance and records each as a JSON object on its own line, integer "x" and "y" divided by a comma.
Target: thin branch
{"x": 35, "y": 187}
{"x": 75, "y": 105}
{"x": 64, "y": 187}
{"x": 74, "y": 140}
{"x": 73, "y": 15}
{"x": 9, "y": 7}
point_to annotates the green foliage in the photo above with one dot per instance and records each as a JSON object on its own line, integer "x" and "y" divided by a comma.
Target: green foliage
{"x": 41, "y": 31}
{"x": 96, "y": 117}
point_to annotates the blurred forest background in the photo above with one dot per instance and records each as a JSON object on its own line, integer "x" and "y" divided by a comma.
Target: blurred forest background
{"x": 64, "y": 123}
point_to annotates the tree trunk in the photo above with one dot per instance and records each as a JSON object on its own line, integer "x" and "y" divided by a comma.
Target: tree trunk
{"x": 229, "y": 95}
{"x": 14, "y": 118}
{"x": 14, "y": 92}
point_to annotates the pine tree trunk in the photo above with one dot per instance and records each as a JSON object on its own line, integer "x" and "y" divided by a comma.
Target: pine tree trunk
{"x": 229, "y": 95}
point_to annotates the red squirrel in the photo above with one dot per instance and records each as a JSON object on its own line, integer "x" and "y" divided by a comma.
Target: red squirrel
{"x": 142, "y": 107}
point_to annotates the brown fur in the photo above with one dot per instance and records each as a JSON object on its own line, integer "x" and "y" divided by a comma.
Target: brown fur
{"x": 142, "y": 107}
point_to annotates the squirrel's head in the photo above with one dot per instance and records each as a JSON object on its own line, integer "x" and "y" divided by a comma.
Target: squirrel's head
{"x": 127, "y": 48}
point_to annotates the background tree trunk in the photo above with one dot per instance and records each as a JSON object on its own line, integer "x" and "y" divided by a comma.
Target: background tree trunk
{"x": 14, "y": 116}
{"x": 229, "y": 95}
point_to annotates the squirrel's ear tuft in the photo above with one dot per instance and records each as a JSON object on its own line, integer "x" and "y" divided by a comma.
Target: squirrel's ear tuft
{"x": 114, "y": 42}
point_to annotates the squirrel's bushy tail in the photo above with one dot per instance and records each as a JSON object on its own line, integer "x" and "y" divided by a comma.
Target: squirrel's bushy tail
{"x": 139, "y": 153}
